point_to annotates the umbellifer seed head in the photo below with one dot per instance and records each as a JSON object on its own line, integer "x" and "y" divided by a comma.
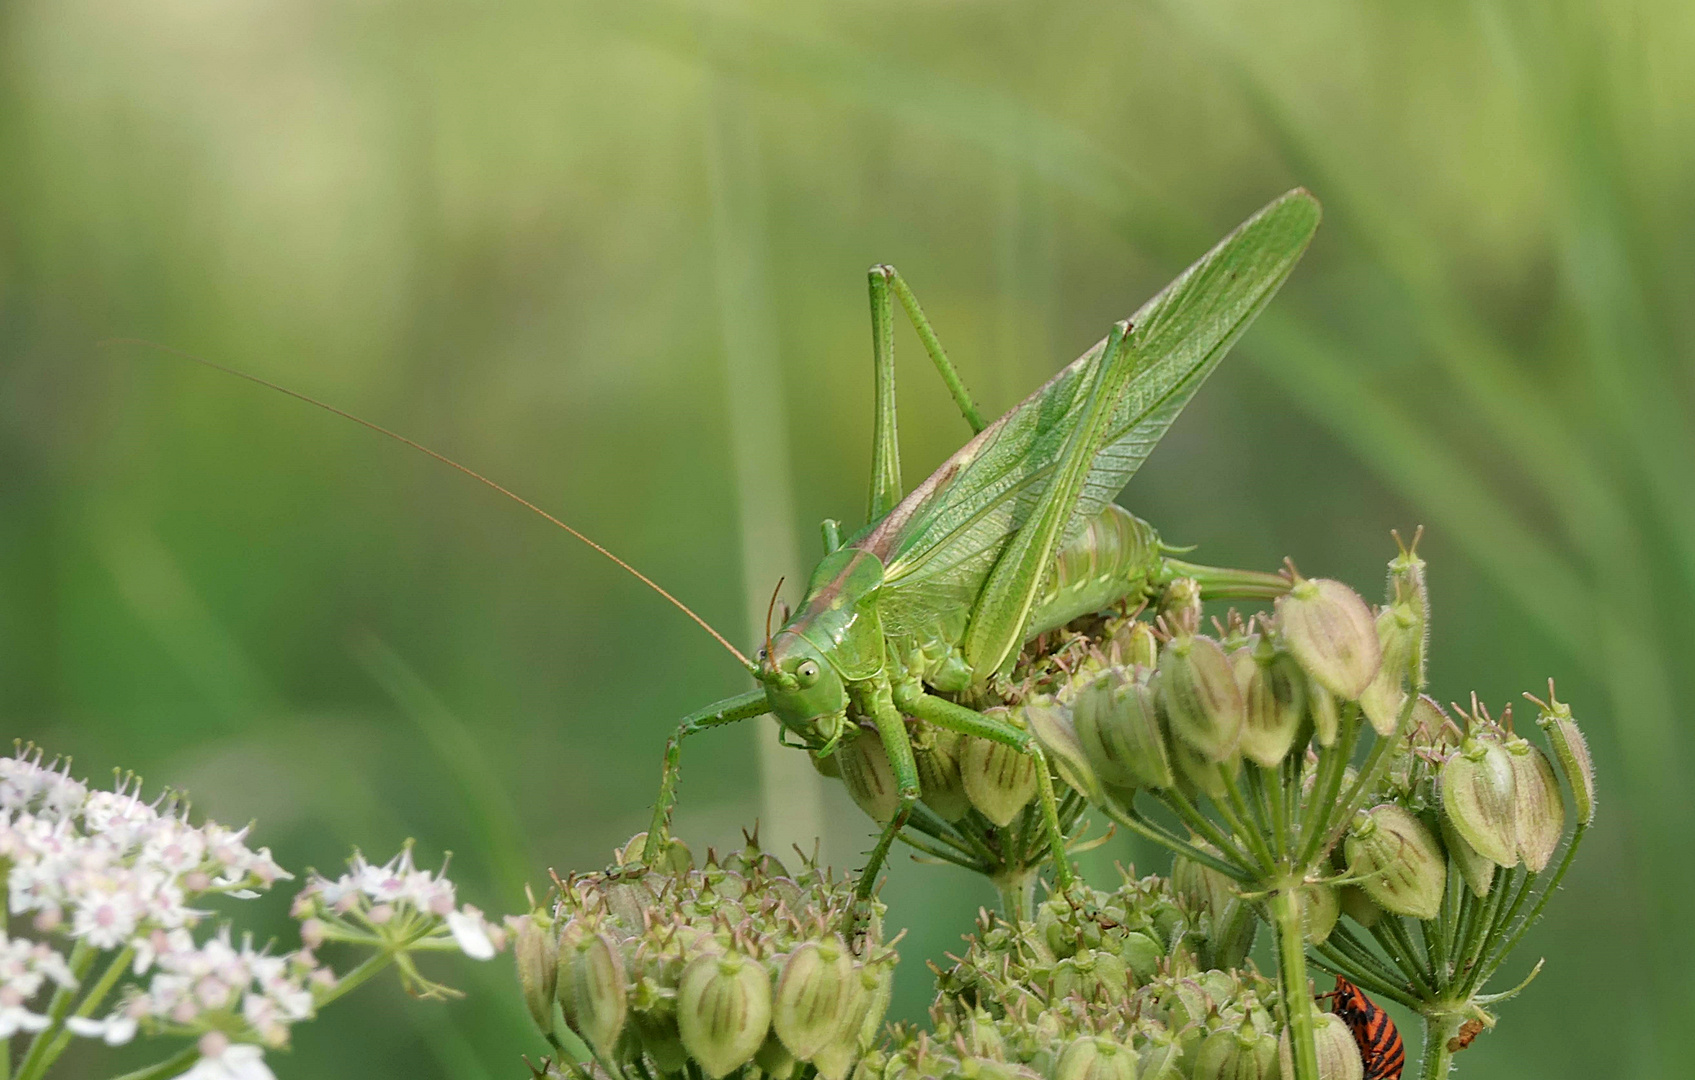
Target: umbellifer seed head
{"x": 1198, "y": 691}
{"x": 1480, "y": 798}
{"x": 1398, "y": 861}
{"x": 723, "y": 1011}
{"x": 1331, "y": 632}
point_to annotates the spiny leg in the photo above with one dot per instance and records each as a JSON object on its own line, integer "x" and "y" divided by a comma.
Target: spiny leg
{"x": 947, "y": 714}
{"x": 891, "y": 728}
{"x": 729, "y": 711}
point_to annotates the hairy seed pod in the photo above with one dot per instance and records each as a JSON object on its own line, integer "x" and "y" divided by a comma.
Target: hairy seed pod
{"x": 867, "y": 775}
{"x": 1198, "y": 692}
{"x": 1134, "y": 645}
{"x": 1338, "y": 1053}
{"x": 1242, "y": 1054}
{"x": 723, "y": 1011}
{"x": 1320, "y": 907}
{"x": 1477, "y": 871}
{"x": 653, "y": 1020}
{"x": 1161, "y": 1057}
{"x": 536, "y": 950}
{"x": 1053, "y": 727}
{"x": 1407, "y": 588}
{"x": 1092, "y": 975}
{"x": 1141, "y": 954}
{"x": 865, "y": 999}
{"x": 1398, "y": 637}
{"x": 1117, "y": 722}
{"x": 774, "y": 1058}
{"x": 1480, "y": 797}
{"x": 1398, "y": 862}
{"x": 1274, "y": 702}
{"x": 1180, "y": 606}
{"x": 1358, "y": 906}
{"x": 1326, "y": 717}
{"x": 1091, "y": 1057}
{"x": 936, "y": 752}
{"x": 1195, "y": 773}
{"x": 1331, "y": 632}
{"x": 1538, "y": 811}
{"x": 1572, "y": 753}
{"x": 999, "y": 780}
{"x": 806, "y": 1009}
{"x": 598, "y": 992}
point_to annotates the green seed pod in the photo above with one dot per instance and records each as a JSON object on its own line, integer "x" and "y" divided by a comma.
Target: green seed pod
{"x": 1092, "y": 1057}
{"x": 1338, "y": 1053}
{"x": 1479, "y": 797}
{"x": 1198, "y": 691}
{"x": 597, "y": 987}
{"x": 1320, "y": 907}
{"x": 1274, "y": 701}
{"x": 999, "y": 780}
{"x": 936, "y": 751}
{"x": 1202, "y": 775}
{"x": 1358, "y": 906}
{"x": 867, "y": 775}
{"x": 1407, "y": 588}
{"x": 723, "y": 1012}
{"x": 1399, "y": 863}
{"x": 1135, "y": 645}
{"x": 865, "y": 999}
{"x": 1398, "y": 635}
{"x": 806, "y": 1010}
{"x": 536, "y": 950}
{"x": 1162, "y": 1055}
{"x": 1326, "y": 718}
{"x": 1141, "y": 954}
{"x": 1180, "y": 606}
{"x": 774, "y": 1058}
{"x": 1331, "y": 632}
{"x": 653, "y": 1020}
{"x": 1242, "y": 1054}
{"x": 1538, "y": 811}
{"x": 1477, "y": 871}
{"x": 1572, "y": 752}
{"x": 1053, "y": 728}
{"x": 1117, "y": 723}
{"x": 1091, "y": 975}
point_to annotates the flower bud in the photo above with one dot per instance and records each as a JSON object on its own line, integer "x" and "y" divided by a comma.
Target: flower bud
{"x": 1398, "y": 862}
{"x": 537, "y": 953}
{"x": 806, "y": 1010}
{"x": 1117, "y": 723}
{"x": 1538, "y": 811}
{"x": 1092, "y": 1057}
{"x": 1198, "y": 691}
{"x": 597, "y": 992}
{"x": 1274, "y": 701}
{"x": 723, "y": 1011}
{"x": 1407, "y": 588}
{"x": 1338, "y": 1053}
{"x": 1479, "y": 797}
{"x": 867, "y": 775}
{"x": 999, "y": 779}
{"x": 1242, "y": 1054}
{"x": 1330, "y": 630}
{"x": 1572, "y": 752}
{"x": 1398, "y": 636}
{"x": 1180, "y": 606}
{"x": 1477, "y": 872}
{"x": 936, "y": 752}
{"x": 1320, "y": 908}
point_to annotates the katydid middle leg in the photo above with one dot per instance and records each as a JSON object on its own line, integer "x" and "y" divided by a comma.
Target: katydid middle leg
{"x": 878, "y": 703}
{"x": 729, "y": 711}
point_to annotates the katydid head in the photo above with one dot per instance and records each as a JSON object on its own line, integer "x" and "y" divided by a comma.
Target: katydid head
{"x": 836, "y": 638}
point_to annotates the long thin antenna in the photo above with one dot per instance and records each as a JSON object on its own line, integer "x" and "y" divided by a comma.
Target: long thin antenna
{"x": 445, "y": 460}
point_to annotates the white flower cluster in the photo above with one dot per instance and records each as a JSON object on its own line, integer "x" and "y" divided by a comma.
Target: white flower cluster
{"x": 108, "y": 872}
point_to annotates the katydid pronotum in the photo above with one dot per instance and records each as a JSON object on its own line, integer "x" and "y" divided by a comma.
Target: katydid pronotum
{"x": 906, "y": 621}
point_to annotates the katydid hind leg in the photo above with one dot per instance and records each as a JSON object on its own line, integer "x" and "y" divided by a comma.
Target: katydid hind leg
{"x": 1009, "y": 596}
{"x": 729, "y": 711}
{"x": 885, "y": 438}
{"x": 933, "y": 346}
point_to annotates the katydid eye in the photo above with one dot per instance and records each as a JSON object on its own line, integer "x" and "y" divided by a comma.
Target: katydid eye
{"x": 807, "y": 672}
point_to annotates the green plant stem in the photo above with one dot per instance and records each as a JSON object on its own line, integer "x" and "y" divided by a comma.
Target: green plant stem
{"x": 1542, "y": 901}
{"x": 1262, "y": 862}
{"x": 1285, "y": 908}
{"x": 1191, "y": 816}
{"x": 1143, "y": 827}
{"x": 34, "y": 1063}
{"x": 1017, "y": 892}
{"x": 1332, "y": 768}
{"x": 175, "y": 1065}
{"x": 1363, "y": 958}
{"x": 1392, "y": 948}
{"x": 357, "y": 977}
{"x": 1421, "y": 967}
{"x": 1437, "y": 1060}
{"x": 1337, "y": 962}
{"x": 92, "y": 1000}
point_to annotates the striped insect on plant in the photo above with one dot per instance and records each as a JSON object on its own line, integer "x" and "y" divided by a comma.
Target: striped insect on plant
{"x": 1376, "y": 1035}
{"x": 908, "y": 622}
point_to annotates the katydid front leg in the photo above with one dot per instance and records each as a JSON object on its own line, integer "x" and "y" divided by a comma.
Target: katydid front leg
{"x": 729, "y": 711}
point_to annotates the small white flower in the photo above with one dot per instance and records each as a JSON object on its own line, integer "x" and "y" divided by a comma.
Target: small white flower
{"x": 13, "y": 1016}
{"x": 115, "y": 1030}
{"x": 471, "y": 933}
{"x": 221, "y": 1059}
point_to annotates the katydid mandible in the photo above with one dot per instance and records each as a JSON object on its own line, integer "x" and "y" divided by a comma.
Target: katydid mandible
{"x": 1015, "y": 534}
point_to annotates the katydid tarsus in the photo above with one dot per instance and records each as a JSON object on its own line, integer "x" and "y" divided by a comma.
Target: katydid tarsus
{"x": 906, "y": 622}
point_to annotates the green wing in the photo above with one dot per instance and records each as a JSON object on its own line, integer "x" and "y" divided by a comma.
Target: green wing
{"x": 941, "y": 541}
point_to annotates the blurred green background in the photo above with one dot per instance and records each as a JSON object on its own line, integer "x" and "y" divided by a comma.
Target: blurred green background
{"x": 613, "y": 254}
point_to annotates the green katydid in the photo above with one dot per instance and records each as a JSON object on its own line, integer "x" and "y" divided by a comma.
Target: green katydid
{"x": 1015, "y": 534}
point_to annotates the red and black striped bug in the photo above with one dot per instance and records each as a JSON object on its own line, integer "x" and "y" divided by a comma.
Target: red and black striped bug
{"x": 1380, "y": 1044}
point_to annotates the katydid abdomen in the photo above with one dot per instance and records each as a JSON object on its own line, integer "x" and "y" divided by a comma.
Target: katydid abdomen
{"x": 1117, "y": 555}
